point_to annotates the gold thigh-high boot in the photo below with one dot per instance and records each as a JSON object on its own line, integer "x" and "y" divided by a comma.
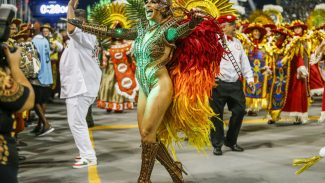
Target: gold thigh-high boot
{"x": 149, "y": 153}
{"x": 174, "y": 168}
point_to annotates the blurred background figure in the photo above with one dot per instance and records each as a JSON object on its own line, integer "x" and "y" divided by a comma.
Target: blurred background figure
{"x": 118, "y": 88}
{"x": 42, "y": 84}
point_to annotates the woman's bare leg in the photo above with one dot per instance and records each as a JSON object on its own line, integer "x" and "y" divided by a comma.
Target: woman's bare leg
{"x": 158, "y": 101}
{"x": 150, "y": 114}
{"x": 142, "y": 100}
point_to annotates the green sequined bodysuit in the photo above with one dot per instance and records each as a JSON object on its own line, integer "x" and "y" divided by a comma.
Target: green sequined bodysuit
{"x": 153, "y": 47}
{"x": 152, "y": 53}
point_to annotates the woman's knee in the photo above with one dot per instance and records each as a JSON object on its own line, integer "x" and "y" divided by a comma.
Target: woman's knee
{"x": 147, "y": 134}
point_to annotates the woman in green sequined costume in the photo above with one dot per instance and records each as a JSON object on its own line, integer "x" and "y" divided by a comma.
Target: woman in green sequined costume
{"x": 153, "y": 49}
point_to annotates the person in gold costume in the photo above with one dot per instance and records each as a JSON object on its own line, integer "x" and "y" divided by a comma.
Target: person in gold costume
{"x": 281, "y": 74}
{"x": 259, "y": 59}
{"x": 296, "y": 58}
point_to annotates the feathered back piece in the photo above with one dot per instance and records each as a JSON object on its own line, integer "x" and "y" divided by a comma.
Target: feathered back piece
{"x": 193, "y": 69}
{"x": 135, "y": 10}
{"x": 110, "y": 14}
{"x": 99, "y": 14}
{"x": 194, "y": 66}
{"x": 215, "y": 8}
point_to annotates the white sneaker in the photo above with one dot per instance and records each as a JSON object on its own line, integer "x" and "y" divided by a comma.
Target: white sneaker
{"x": 82, "y": 163}
{"x": 45, "y": 132}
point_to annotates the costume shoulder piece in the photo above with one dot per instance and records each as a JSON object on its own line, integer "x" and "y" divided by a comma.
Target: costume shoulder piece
{"x": 295, "y": 47}
{"x": 244, "y": 40}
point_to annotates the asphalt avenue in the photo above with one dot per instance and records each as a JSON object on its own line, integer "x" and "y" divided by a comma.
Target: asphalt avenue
{"x": 268, "y": 155}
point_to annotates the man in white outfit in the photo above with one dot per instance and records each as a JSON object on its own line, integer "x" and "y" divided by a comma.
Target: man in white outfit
{"x": 80, "y": 79}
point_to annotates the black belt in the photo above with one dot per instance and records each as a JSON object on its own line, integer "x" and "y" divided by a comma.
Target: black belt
{"x": 220, "y": 81}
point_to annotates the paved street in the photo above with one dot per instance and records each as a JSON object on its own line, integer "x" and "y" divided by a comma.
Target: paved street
{"x": 269, "y": 151}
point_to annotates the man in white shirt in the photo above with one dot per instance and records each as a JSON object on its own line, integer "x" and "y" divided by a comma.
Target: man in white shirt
{"x": 80, "y": 78}
{"x": 229, "y": 89}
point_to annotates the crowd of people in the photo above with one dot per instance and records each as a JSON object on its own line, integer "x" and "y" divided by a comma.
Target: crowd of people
{"x": 151, "y": 60}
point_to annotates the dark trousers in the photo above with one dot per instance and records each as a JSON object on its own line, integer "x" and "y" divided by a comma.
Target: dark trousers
{"x": 230, "y": 93}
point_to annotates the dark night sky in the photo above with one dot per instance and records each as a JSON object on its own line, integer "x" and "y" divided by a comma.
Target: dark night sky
{"x": 83, "y": 3}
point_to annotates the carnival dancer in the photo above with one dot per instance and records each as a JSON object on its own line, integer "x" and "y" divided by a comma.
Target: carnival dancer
{"x": 280, "y": 79}
{"x": 118, "y": 75}
{"x": 317, "y": 57}
{"x": 80, "y": 79}
{"x": 267, "y": 22}
{"x": 296, "y": 103}
{"x": 259, "y": 59}
{"x": 118, "y": 88}
{"x": 315, "y": 21}
{"x": 170, "y": 99}
{"x": 229, "y": 90}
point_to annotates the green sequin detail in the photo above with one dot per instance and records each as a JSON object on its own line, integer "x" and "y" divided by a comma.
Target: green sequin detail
{"x": 152, "y": 54}
{"x": 171, "y": 34}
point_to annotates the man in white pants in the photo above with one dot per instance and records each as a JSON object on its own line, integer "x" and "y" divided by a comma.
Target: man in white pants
{"x": 80, "y": 79}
